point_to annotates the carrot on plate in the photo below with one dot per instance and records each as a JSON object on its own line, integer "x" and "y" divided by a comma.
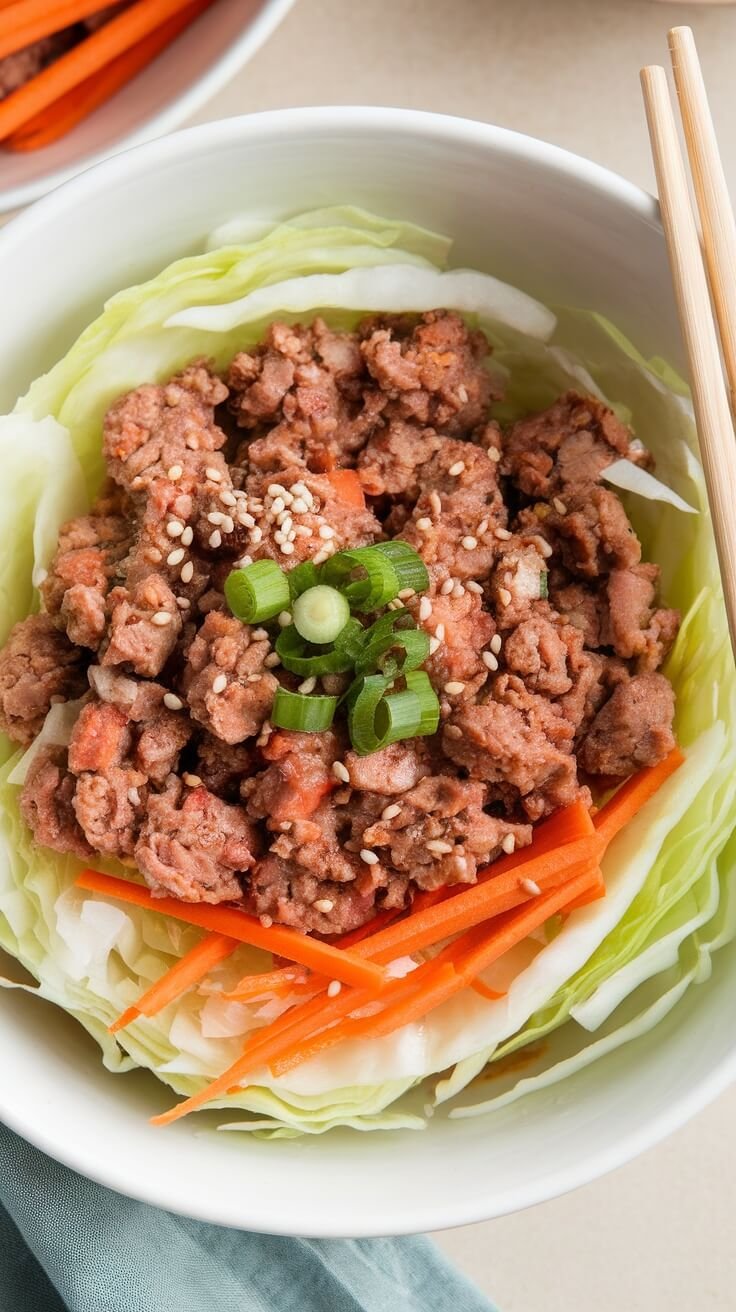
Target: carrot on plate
{"x": 347, "y": 486}
{"x": 59, "y": 118}
{"x": 321, "y": 957}
{"x": 632, "y": 795}
{"x": 84, "y": 60}
{"x": 187, "y": 971}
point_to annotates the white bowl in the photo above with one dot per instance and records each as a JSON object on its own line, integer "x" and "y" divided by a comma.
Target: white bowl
{"x": 192, "y": 70}
{"x": 563, "y": 229}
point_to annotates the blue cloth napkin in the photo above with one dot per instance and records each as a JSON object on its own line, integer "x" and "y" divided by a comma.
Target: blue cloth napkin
{"x": 68, "y": 1245}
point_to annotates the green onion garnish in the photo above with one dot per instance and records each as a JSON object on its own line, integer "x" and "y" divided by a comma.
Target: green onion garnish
{"x": 543, "y": 584}
{"x": 409, "y": 566}
{"x": 301, "y": 657}
{"x": 417, "y": 681}
{"x": 363, "y": 700}
{"x": 294, "y": 710}
{"x": 392, "y": 645}
{"x": 257, "y": 592}
{"x": 365, "y": 576}
{"x": 320, "y": 613}
{"x": 376, "y": 719}
{"x": 302, "y": 577}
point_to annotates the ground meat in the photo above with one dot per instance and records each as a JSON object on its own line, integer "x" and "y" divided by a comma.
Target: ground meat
{"x": 432, "y": 369}
{"x": 282, "y": 890}
{"x": 459, "y": 629}
{"x": 84, "y": 568}
{"x": 593, "y": 533}
{"x": 454, "y": 522}
{"x": 518, "y": 581}
{"x": 38, "y": 666}
{"x": 582, "y": 607}
{"x": 226, "y": 685}
{"x": 298, "y": 778}
{"x": 105, "y": 809}
{"x": 633, "y": 729}
{"x": 391, "y": 770}
{"x": 635, "y": 629}
{"x": 538, "y": 651}
{"x": 221, "y": 766}
{"x": 391, "y": 461}
{"x": 313, "y": 510}
{"x": 144, "y": 626}
{"x": 194, "y": 846}
{"x": 101, "y": 738}
{"x": 565, "y": 446}
{"x": 47, "y": 804}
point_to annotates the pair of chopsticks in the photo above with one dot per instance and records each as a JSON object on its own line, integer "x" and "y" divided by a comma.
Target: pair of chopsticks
{"x": 705, "y": 315}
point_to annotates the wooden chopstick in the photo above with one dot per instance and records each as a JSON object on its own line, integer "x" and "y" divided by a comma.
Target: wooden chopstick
{"x": 711, "y": 192}
{"x": 710, "y": 398}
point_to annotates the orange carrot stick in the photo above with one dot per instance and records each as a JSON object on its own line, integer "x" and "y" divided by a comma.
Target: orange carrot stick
{"x": 485, "y": 992}
{"x": 632, "y": 795}
{"x": 27, "y": 21}
{"x": 347, "y": 486}
{"x": 84, "y": 60}
{"x": 310, "y": 952}
{"x": 186, "y": 972}
{"x": 272, "y": 982}
{"x": 70, "y": 109}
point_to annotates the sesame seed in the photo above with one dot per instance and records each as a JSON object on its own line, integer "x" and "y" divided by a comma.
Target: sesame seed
{"x": 192, "y": 780}
{"x": 287, "y": 498}
{"x": 504, "y": 596}
{"x": 215, "y": 517}
{"x": 219, "y": 683}
{"x": 447, "y": 587}
{"x": 440, "y": 632}
{"x": 508, "y": 576}
{"x": 213, "y": 473}
{"x": 425, "y": 608}
{"x": 453, "y": 731}
{"x": 299, "y": 506}
{"x": 183, "y": 603}
{"x": 333, "y": 988}
{"x": 187, "y": 536}
{"x": 559, "y": 506}
{"x": 175, "y": 472}
{"x": 502, "y": 534}
{"x": 482, "y": 528}
{"x": 228, "y": 524}
{"x": 462, "y": 394}
{"x": 454, "y": 688}
{"x": 286, "y": 524}
{"x": 258, "y": 635}
{"x": 187, "y": 572}
{"x": 175, "y": 557}
{"x": 438, "y": 847}
{"x": 472, "y": 586}
{"x": 174, "y": 528}
{"x": 287, "y": 548}
{"x": 227, "y": 498}
{"x": 406, "y": 593}
{"x": 191, "y": 442}
{"x": 489, "y": 660}
{"x": 284, "y": 618}
{"x": 434, "y": 644}
{"x": 275, "y": 490}
{"x": 254, "y": 678}
{"x": 161, "y": 618}
{"x": 266, "y": 921}
{"x": 323, "y": 904}
{"x": 173, "y": 702}
{"x": 279, "y": 537}
{"x": 326, "y": 532}
{"x": 303, "y": 530}
{"x": 544, "y": 547}
{"x": 461, "y": 864}
{"x": 320, "y": 557}
{"x": 284, "y": 826}
{"x": 244, "y": 560}
{"x": 508, "y": 844}
{"x": 424, "y": 524}
{"x": 495, "y": 644}
{"x": 300, "y": 489}
{"x": 389, "y": 812}
{"x": 272, "y": 660}
{"x": 309, "y": 684}
{"x": 531, "y": 886}
{"x": 340, "y": 772}
{"x": 369, "y": 857}
{"x": 246, "y": 520}
{"x": 393, "y": 605}
{"x": 458, "y": 590}
{"x": 278, "y": 505}
{"x": 153, "y": 556}
{"x": 494, "y": 454}
{"x": 256, "y": 535}
{"x": 215, "y": 539}
{"x": 456, "y": 469}
{"x": 134, "y": 796}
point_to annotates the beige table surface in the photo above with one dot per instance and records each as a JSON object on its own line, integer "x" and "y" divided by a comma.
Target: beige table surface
{"x": 658, "y": 1235}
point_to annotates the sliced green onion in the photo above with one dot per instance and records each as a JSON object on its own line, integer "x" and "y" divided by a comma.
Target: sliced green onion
{"x": 543, "y": 584}
{"x": 302, "y": 577}
{"x": 320, "y": 613}
{"x": 257, "y": 592}
{"x": 375, "y": 719}
{"x": 294, "y": 710}
{"x": 409, "y": 566}
{"x": 392, "y": 645}
{"x": 365, "y": 576}
{"x": 305, "y": 658}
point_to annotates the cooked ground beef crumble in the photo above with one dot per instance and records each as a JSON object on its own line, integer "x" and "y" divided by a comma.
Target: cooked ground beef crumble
{"x": 546, "y": 637}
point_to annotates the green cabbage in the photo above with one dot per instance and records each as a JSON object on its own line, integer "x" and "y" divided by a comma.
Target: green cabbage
{"x": 616, "y": 966}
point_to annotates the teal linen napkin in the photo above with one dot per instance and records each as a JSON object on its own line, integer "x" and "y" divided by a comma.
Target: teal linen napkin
{"x": 68, "y": 1245}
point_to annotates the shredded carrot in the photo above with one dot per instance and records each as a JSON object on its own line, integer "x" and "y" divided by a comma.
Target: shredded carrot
{"x": 186, "y": 972}
{"x": 70, "y": 109}
{"x": 273, "y": 982}
{"x": 347, "y": 486}
{"x": 632, "y": 795}
{"x": 84, "y": 60}
{"x": 485, "y": 992}
{"x": 27, "y": 21}
{"x": 311, "y": 952}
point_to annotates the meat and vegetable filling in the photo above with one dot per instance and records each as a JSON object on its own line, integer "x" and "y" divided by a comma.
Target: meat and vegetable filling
{"x": 544, "y": 636}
